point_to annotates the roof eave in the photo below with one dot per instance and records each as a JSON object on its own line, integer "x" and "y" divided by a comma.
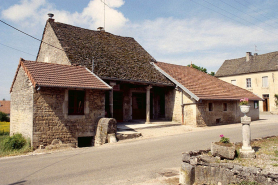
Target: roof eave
{"x": 176, "y": 82}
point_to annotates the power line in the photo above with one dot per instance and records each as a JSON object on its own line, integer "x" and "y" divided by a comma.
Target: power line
{"x": 231, "y": 14}
{"x": 16, "y": 49}
{"x": 246, "y": 13}
{"x": 254, "y": 9}
{"x": 29, "y": 35}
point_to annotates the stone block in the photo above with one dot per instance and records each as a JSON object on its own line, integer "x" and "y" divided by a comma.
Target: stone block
{"x": 187, "y": 174}
{"x": 223, "y": 151}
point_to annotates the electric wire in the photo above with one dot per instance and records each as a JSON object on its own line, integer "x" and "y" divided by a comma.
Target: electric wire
{"x": 16, "y": 49}
{"x": 233, "y": 15}
{"x": 246, "y": 14}
{"x": 29, "y": 35}
{"x": 253, "y": 9}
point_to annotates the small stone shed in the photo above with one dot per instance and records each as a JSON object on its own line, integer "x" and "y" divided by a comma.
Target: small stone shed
{"x": 204, "y": 100}
{"x": 54, "y": 101}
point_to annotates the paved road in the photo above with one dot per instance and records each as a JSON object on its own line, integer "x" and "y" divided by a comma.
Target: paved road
{"x": 124, "y": 162}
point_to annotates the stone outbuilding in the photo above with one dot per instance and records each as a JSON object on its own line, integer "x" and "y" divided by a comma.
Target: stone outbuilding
{"x": 204, "y": 100}
{"x": 54, "y": 101}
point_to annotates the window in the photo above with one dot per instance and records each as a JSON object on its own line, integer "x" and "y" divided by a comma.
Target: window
{"x": 256, "y": 104}
{"x": 248, "y": 82}
{"x": 265, "y": 81}
{"x": 225, "y": 106}
{"x": 210, "y": 107}
{"x": 76, "y": 102}
{"x": 233, "y": 82}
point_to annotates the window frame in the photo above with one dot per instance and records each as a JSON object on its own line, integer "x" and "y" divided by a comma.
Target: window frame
{"x": 76, "y": 97}
{"x": 256, "y": 104}
{"x": 248, "y": 83}
{"x": 233, "y": 81}
{"x": 265, "y": 85}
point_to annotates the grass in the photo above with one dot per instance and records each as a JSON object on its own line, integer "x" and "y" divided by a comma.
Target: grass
{"x": 266, "y": 150}
{"x": 12, "y": 152}
{"x": 4, "y": 128}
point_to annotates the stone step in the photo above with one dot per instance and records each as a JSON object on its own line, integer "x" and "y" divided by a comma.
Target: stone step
{"x": 122, "y": 135}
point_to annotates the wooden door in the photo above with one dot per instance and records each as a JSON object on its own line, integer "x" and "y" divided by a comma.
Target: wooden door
{"x": 266, "y": 102}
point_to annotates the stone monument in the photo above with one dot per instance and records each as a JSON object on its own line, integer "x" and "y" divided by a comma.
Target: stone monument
{"x": 246, "y": 151}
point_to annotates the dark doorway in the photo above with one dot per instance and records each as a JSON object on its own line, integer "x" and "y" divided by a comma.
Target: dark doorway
{"x": 266, "y": 102}
{"x": 139, "y": 106}
{"x": 118, "y": 106}
{"x": 85, "y": 141}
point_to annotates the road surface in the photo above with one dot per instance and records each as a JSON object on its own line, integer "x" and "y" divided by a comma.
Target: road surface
{"x": 132, "y": 162}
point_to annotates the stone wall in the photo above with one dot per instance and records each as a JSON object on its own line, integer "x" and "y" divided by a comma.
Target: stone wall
{"x": 51, "y": 120}
{"x": 204, "y": 169}
{"x": 21, "y": 118}
{"x": 48, "y": 53}
{"x": 217, "y": 115}
{"x": 174, "y": 108}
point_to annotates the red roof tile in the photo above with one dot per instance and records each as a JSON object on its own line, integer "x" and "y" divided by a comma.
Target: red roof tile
{"x": 57, "y": 75}
{"x": 5, "y": 106}
{"x": 203, "y": 85}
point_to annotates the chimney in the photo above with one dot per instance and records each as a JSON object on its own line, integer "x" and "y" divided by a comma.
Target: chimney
{"x": 50, "y": 15}
{"x": 248, "y": 56}
{"x": 100, "y": 29}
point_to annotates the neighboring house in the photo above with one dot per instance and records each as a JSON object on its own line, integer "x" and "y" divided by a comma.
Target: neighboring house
{"x": 56, "y": 98}
{"x": 204, "y": 100}
{"x": 5, "y": 107}
{"x": 50, "y": 101}
{"x": 256, "y": 73}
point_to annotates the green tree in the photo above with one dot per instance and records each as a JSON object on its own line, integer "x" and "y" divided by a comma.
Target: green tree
{"x": 201, "y": 69}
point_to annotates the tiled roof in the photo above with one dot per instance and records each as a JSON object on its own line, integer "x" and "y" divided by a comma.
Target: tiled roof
{"x": 114, "y": 57}
{"x": 203, "y": 85}
{"x": 257, "y": 63}
{"x": 57, "y": 75}
{"x": 5, "y": 106}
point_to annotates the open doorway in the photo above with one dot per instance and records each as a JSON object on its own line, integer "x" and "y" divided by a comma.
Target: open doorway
{"x": 266, "y": 102}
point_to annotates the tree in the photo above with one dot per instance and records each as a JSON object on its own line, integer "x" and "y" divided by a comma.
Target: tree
{"x": 201, "y": 69}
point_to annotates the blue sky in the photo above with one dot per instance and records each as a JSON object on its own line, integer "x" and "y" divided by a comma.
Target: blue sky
{"x": 206, "y": 32}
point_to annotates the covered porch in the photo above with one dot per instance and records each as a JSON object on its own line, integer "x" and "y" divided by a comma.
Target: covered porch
{"x": 136, "y": 101}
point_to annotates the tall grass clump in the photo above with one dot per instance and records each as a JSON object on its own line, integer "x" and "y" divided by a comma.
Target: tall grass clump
{"x": 14, "y": 145}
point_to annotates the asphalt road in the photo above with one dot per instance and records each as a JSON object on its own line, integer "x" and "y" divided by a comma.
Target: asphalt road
{"x": 130, "y": 162}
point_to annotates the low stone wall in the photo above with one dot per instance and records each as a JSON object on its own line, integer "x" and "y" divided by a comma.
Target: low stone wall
{"x": 203, "y": 169}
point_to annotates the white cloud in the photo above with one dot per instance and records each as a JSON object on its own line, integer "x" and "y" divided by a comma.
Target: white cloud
{"x": 31, "y": 13}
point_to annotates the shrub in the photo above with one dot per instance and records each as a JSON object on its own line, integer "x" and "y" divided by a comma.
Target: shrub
{"x": 14, "y": 142}
{"x": 4, "y": 117}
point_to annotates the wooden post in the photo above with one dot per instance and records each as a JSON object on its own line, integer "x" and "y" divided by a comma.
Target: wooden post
{"x": 148, "y": 105}
{"x": 112, "y": 84}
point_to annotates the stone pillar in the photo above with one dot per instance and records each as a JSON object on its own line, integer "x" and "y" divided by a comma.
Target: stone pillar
{"x": 148, "y": 104}
{"x": 246, "y": 151}
{"x": 112, "y": 84}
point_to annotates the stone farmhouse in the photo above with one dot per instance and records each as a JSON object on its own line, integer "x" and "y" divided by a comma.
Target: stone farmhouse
{"x": 81, "y": 75}
{"x": 256, "y": 73}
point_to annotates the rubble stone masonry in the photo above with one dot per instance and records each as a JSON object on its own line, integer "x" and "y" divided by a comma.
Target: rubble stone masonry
{"x": 51, "y": 120}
